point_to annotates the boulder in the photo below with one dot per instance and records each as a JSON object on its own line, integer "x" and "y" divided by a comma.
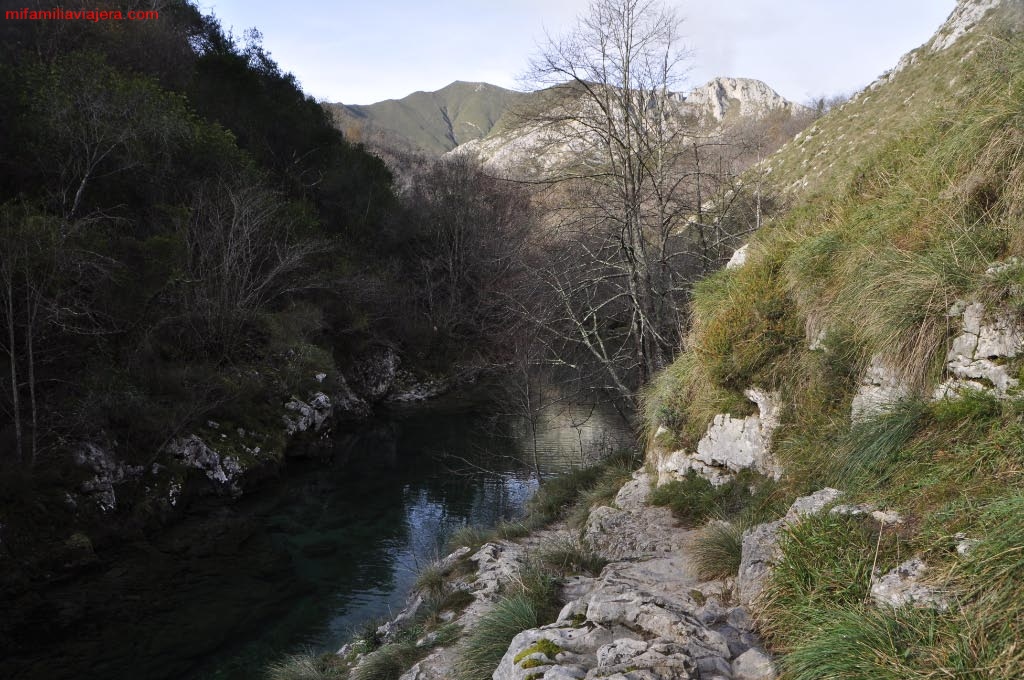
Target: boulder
{"x": 224, "y": 471}
{"x": 730, "y": 444}
{"x": 971, "y": 363}
{"x": 307, "y": 416}
{"x": 902, "y": 586}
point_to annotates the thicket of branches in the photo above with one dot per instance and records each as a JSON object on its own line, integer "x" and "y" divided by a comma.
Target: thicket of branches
{"x": 650, "y": 199}
{"x": 184, "y": 235}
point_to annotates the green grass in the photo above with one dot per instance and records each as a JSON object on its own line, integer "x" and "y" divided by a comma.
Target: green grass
{"x": 825, "y": 566}
{"x": 900, "y": 202}
{"x": 571, "y": 556}
{"x": 307, "y": 666}
{"x": 868, "y": 450}
{"x": 695, "y": 499}
{"x": 389, "y": 662}
{"x": 718, "y": 549}
{"x": 492, "y": 634}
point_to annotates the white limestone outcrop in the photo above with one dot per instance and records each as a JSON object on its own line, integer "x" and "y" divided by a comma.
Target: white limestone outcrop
{"x": 971, "y": 362}
{"x": 903, "y": 587}
{"x": 879, "y": 389}
{"x": 729, "y": 445}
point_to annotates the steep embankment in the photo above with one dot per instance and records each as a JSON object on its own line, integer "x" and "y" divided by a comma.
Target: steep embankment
{"x": 870, "y": 341}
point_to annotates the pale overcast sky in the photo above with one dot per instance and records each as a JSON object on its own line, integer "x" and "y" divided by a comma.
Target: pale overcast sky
{"x": 359, "y": 52}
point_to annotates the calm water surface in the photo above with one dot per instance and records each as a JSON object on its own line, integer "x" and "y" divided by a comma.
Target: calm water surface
{"x": 301, "y": 564}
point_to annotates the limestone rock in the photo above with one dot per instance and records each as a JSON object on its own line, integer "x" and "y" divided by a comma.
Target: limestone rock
{"x": 308, "y": 416}
{"x": 735, "y": 97}
{"x": 730, "y": 445}
{"x": 373, "y": 374}
{"x": 965, "y": 16}
{"x": 753, "y": 664}
{"x": 759, "y": 553}
{"x": 107, "y": 471}
{"x": 739, "y": 258}
{"x": 497, "y": 563}
{"x": 879, "y": 389}
{"x": 902, "y": 586}
{"x": 812, "y": 505}
{"x": 971, "y": 360}
{"x": 224, "y": 471}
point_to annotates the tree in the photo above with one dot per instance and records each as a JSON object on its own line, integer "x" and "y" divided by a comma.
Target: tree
{"x": 245, "y": 248}
{"x": 618, "y": 273}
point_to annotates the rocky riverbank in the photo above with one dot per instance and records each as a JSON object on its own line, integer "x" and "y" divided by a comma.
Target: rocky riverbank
{"x": 647, "y": 614}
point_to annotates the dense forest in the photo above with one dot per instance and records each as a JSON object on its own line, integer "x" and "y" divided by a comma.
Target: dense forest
{"x": 186, "y": 240}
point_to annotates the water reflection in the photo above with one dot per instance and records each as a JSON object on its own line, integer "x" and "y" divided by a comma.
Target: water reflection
{"x": 302, "y": 563}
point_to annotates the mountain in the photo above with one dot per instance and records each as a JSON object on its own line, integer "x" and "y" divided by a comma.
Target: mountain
{"x": 538, "y": 149}
{"x": 428, "y": 122}
{"x": 479, "y": 117}
{"x": 726, "y": 98}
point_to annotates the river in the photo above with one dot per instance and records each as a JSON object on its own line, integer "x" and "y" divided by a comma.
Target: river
{"x": 331, "y": 545}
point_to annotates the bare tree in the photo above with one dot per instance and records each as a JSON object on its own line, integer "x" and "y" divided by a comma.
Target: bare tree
{"x": 610, "y": 104}
{"x": 244, "y": 250}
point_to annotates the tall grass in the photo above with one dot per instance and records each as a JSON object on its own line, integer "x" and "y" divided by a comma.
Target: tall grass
{"x": 531, "y": 601}
{"x": 307, "y": 666}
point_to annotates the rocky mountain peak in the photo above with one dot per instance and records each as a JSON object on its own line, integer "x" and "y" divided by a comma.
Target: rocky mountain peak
{"x": 967, "y": 15}
{"x": 737, "y": 97}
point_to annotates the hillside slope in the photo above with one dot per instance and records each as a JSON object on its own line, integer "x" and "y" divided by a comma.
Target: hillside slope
{"x": 429, "y": 122}
{"x": 521, "y": 146}
{"x": 870, "y": 342}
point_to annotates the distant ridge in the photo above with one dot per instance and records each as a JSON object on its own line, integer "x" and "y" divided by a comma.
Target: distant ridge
{"x": 428, "y": 122}
{"x": 434, "y": 123}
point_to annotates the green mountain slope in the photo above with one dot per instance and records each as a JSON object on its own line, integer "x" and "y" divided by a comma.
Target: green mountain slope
{"x": 429, "y": 122}
{"x": 884, "y": 313}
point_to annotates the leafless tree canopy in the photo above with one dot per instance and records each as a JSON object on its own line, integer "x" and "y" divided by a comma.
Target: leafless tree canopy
{"x": 643, "y": 206}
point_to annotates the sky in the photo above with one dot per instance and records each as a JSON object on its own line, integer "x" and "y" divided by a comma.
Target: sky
{"x": 364, "y": 51}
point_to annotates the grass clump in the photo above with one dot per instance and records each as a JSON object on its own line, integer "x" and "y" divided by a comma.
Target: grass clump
{"x": 718, "y": 549}
{"x": 571, "y": 556}
{"x": 492, "y": 634}
{"x": 432, "y": 581}
{"x": 684, "y": 399}
{"x": 694, "y": 499}
{"x": 308, "y": 666}
{"x": 531, "y": 601}
{"x": 826, "y": 565}
{"x": 872, "y": 446}
{"x": 389, "y": 662}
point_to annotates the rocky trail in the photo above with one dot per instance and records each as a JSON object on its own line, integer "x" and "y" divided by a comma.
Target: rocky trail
{"x": 647, "y": 616}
